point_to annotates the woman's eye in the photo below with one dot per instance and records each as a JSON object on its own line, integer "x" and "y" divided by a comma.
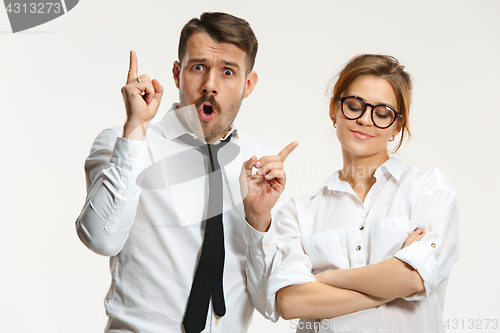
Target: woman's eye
{"x": 383, "y": 112}
{"x": 382, "y": 116}
{"x": 353, "y": 108}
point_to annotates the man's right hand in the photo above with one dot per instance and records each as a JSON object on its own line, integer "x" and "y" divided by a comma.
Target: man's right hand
{"x": 142, "y": 98}
{"x": 260, "y": 191}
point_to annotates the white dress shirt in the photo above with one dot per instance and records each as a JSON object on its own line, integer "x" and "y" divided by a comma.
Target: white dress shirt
{"x": 334, "y": 229}
{"x": 145, "y": 208}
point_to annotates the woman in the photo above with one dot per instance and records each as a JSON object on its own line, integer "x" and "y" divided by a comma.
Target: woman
{"x": 374, "y": 246}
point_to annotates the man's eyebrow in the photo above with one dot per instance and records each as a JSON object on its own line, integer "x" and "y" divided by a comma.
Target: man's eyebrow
{"x": 228, "y": 63}
{"x": 197, "y": 60}
{"x": 203, "y": 60}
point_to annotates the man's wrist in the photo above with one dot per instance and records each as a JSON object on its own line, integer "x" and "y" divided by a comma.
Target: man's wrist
{"x": 134, "y": 130}
{"x": 259, "y": 223}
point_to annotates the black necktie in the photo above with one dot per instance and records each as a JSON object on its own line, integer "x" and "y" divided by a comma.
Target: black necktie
{"x": 208, "y": 277}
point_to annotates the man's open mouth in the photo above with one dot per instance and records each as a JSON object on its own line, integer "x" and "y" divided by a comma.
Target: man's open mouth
{"x": 207, "y": 112}
{"x": 208, "y": 109}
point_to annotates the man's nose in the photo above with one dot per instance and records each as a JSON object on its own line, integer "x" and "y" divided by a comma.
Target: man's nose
{"x": 210, "y": 84}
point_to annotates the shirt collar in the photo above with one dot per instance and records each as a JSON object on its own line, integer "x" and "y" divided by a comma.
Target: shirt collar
{"x": 392, "y": 167}
{"x": 173, "y": 127}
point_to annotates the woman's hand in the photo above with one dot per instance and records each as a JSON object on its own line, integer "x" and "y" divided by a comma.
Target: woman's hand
{"x": 415, "y": 236}
{"x": 261, "y": 190}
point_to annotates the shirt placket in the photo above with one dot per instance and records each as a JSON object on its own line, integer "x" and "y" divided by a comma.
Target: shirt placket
{"x": 359, "y": 252}
{"x": 213, "y": 322}
{"x": 360, "y": 245}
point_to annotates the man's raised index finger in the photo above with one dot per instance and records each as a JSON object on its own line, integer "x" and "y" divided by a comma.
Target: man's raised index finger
{"x": 288, "y": 149}
{"x": 132, "y": 70}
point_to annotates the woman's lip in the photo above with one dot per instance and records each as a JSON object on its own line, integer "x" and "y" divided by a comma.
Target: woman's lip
{"x": 362, "y": 135}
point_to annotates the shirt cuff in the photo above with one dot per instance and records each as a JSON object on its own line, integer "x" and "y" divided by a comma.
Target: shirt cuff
{"x": 261, "y": 243}
{"x": 419, "y": 256}
{"x": 126, "y": 152}
{"x": 288, "y": 275}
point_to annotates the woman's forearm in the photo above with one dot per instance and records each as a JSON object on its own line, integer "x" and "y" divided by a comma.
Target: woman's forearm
{"x": 319, "y": 301}
{"x": 390, "y": 278}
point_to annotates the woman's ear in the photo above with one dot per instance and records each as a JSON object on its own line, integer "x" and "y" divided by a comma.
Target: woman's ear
{"x": 332, "y": 111}
{"x": 397, "y": 129}
{"x": 332, "y": 115}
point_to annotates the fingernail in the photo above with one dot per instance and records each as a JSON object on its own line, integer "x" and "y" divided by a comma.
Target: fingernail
{"x": 259, "y": 172}
{"x": 258, "y": 164}
{"x": 421, "y": 232}
{"x": 420, "y": 228}
{"x": 415, "y": 229}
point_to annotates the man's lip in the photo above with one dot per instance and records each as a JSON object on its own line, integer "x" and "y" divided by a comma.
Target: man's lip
{"x": 200, "y": 108}
{"x": 201, "y": 113}
{"x": 362, "y": 135}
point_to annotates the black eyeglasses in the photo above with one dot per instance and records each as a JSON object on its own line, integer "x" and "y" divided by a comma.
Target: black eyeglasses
{"x": 383, "y": 116}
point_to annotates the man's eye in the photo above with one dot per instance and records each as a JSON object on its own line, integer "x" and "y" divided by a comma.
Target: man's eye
{"x": 198, "y": 67}
{"x": 228, "y": 72}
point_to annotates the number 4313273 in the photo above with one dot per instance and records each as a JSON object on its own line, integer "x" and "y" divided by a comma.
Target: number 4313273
{"x": 34, "y": 8}
{"x": 472, "y": 324}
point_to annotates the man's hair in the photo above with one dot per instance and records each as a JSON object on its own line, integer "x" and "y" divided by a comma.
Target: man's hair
{"x": 223, "y": 28}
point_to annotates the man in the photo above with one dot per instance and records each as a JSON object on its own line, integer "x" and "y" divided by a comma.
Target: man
{"x": 152, "y": 189}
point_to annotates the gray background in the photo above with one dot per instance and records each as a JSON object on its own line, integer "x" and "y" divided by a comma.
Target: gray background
{"x": 61, "y": 83}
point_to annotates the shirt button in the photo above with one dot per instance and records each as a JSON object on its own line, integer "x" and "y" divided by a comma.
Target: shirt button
{"x": 216, "y": 321}
{"x": 124, "y": 194}
{"x": 266, "y": 244}
{"x": 433, "y": 245}
{"x": 358, "y": 248}
{"x": 361, "y": 227}
{"x": 131, "y": 154}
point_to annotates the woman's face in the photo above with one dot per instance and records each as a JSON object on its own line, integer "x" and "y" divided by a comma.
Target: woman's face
{"x": 361, "y": 137}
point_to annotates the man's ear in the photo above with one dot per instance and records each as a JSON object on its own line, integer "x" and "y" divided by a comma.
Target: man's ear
{"x": 176, "y": 72}
{"x": 251, "y": 81}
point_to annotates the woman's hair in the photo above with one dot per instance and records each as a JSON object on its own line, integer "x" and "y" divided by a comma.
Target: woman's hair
{"x": 384, "y": 67}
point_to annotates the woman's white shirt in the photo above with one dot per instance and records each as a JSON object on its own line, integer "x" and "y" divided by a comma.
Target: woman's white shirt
{"x": 334, "y": 229}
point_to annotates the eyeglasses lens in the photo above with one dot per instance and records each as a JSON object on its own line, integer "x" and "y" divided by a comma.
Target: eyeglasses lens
{"x": 383, "y": 116}
{"x": 352, "y": 108}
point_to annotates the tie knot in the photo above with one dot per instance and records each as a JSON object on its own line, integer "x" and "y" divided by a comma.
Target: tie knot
{"x": 189, "y": 140}
{"x": 209, "y": 150}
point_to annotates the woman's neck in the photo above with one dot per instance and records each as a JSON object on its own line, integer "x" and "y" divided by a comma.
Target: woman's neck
{"x": 359, "y": 171}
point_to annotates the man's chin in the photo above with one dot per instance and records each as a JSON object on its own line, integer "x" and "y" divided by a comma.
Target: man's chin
{"x": 212, "y": 135}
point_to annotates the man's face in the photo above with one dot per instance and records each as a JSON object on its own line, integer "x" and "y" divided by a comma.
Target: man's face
{"x": 212, "y": 77}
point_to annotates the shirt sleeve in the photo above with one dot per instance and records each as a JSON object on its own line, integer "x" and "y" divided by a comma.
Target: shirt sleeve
{"x": 110, "y": 207}
{"x": 260, "y": 254}
{"x": 434, "y": 255}
{"x": 290, "y": 265}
